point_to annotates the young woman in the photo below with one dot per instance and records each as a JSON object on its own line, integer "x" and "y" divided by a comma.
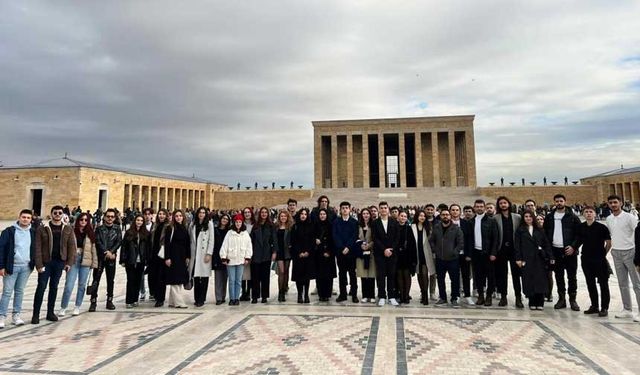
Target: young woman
{"x": 219, "y": 269}
{"x": 549, "y": 293}
{"x": 249, "y": 222}
{"x": 325, "y": 258}
{"x": 86, "y": 260}
{"x": 263, "y": 255}
{"x": 406, "y": 258}
{"x": 426, "y": 266}
{"x": 133, "y": 256}
{"x": 177, "y": 250}
{"x": 282, "y": 243}
{"x": 156, "y": 265}
{"x": 201, "y": 235}
{"x": 302, "y": 254}
{"x": 236, "y": 252}
{"x": 533, "y": 255}
{"x": 365, "y": 262}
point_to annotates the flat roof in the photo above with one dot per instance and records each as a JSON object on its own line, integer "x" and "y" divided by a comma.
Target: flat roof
{"x": 66, "y": 162}
{"x": 395, "y": 120}
{"x": 616, "y": 172}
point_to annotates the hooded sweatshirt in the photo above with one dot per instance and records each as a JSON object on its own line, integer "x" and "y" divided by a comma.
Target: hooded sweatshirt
{"x": 22, "y": 239}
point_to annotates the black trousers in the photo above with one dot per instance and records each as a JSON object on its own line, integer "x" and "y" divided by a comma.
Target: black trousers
{"x": 597, "y": 271}
{"x": 386, "y": 276}
{"x": 200, "y": 288}
{"x": 465, "y": 271}
{"x": 260, "y": 276}
{"x": 134, "y": 279}
{"x": 347, "y": 265}
{"x": 51, "y": 275}
{"x": 368, "y": 287}
{"x": 404, "y": 284}
{"x": 324, "y": 286}
{"x": 483, "y": 272}
{"x": 502, "y": 263}
{"x": 110, "y": 269}
{"x": 536, "y": 300}
{"x": 570, "y": 265}
{"x": 423, "y": 280}
{"x": 156, "y": 284}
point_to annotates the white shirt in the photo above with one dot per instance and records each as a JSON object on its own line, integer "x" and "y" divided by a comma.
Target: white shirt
{"x": 622, "y": 228}
{"x": 477, "y": 232}
{"x": 148, "y": 225}
{"x": 384, "y": 224}
{"x": 558, "y": 240}
{"x": 530, "y": 227}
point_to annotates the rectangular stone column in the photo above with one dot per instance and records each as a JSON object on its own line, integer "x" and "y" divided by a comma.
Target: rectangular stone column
{"x": 127, "y": 196}
{"x": 365, "y": 161}
{"x": 334, "y": 161}
{"x": 349, "y": 160}
{"x": 471, "y": 159}
{"x": 453, "y": 173}
{"x": 418, "y": 145}
{"x": 402, "y": 160}
{"x": 382, "y": 167}
{"x": 317, "y": 159}
{"x": 436, "y": 159}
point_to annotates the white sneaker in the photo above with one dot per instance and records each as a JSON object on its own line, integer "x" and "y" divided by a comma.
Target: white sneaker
{"x": 624, "y": 314}
{"x": 469, "y": 301}
{"x": 76, "y": 311}
{"x": 434, "y": 297}
{"x": 17, "y": 320}
{"x": 393, "y": 302}
{"x": 636, "y": 317}
{"x": 2, "y": 318}
{"x": 381, "y": 302}
{"x": 62, "y": 312}
{"x": 364, "y": 300}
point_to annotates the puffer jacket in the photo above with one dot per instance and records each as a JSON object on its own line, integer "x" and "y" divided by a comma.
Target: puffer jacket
{"x": 236, "y": 247}
{"x": 88, "y": 253}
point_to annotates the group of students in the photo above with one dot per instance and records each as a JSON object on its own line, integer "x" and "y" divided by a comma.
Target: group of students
{"x": 380, "y": 245}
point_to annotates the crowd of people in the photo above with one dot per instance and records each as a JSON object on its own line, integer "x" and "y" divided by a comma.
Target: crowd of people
{"x": 385, "y": 247}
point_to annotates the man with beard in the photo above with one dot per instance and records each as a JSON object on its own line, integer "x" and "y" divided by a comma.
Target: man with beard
{"x": 485, "y": 249}
{"x": 507, "y": 222}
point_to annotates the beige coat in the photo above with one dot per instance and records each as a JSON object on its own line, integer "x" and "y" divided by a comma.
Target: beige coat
{"x": 88, "y": 253}
{"x": 360, "y": 270}
{"x": 428, "y": 254}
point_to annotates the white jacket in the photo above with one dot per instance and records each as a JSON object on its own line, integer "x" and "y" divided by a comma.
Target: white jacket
{"x": 200, "y": 247}
{"x": 236, "y": 247}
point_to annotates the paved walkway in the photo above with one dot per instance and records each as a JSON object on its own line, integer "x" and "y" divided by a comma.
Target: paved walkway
{"x": 319, "y": 338}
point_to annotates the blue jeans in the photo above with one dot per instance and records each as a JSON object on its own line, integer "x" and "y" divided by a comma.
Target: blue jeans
{"x": 80, "y": 273}
{"x": 14, "y": 282}
{"x": 235, "y": 281}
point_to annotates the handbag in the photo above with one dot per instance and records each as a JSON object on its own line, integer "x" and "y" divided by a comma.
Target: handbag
{"x": 161, "y": 254}
{"x": 188, "y": 285}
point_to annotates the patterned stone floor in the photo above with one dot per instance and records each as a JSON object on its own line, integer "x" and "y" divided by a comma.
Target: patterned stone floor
{"x": 321, "y": 339}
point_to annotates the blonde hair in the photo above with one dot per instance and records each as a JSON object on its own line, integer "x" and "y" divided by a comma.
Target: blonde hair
{"x": 289, "y": 222}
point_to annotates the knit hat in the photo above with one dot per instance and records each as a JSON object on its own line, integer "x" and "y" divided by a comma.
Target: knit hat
{"x": 238, "y": 217}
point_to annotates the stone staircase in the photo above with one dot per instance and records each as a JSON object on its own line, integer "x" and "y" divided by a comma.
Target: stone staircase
{"x": 359, "y": 197}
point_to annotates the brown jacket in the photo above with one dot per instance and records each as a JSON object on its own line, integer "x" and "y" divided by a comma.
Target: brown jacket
{"x": 44, "y": 245}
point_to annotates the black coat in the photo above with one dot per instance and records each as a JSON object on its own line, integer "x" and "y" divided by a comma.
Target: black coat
{"x": 134, "y": 246}
{"x": 385, "y": 240}
{"x": 107, "y": 238}
{"x": 536, "y": 252}
{"x": 570, "y": 223}
{"x": 303, "y": 241}
{"x": 490, "y": 235}
{"x": 177, "y": 248}
{"x": 325, "y": 266}
{"x": 218, "y": 237}
{"x": 406, "y": 253}
{"x": 262, "y": 242}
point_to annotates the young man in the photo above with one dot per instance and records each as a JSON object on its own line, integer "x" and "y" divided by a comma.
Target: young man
{"x": 108, "y": 240}
{"x": 561, "y": 227}
{"x": 17, "y": 259}
{"x": 595, "y": 240}
{"x": 490, "y": 209}
{"x": 464, "y": 260}
{"x": 292, "y": 207}
{"x": 323, "y": 202}
{"x": 507, "y": 222}
{"x": 485, "y": 249}
{"x": 622, "y": 226}
{"x": 447, "y": 242}
{"x": 345, "y": 235}
{"x": 55, "y": 251}
{"x": 385, "y": 243}
{"x": 394, "y": 212}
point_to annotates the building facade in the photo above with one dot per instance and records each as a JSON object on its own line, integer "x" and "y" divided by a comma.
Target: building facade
{"x": 396, "y": 152}
{"x": 624, "y": 182}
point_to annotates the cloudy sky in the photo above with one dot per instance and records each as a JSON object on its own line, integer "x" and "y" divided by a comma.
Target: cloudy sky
{"x": 227, "y": 90}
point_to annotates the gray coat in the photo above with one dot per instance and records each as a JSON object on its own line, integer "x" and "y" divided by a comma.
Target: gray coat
{"x": 515, "y": 220}
{"x": 428, "y": 254}
{"x": 447, "y": 245}
{"x": 200, "y": 247}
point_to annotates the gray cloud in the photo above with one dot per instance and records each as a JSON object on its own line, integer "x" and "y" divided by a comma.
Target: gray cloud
{"x": 228, "y": 90}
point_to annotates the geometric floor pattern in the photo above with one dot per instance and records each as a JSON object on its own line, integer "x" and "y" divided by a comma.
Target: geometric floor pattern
{"x": 272, "y": 344}
{"x": 79, "y": 345}
{"x": 488, "y": 346}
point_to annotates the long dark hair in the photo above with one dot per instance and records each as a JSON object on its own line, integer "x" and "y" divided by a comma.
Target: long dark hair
{"x": 132, "y": 232}
{"x": 205, "y": 222}
{"x": 88, "y": 228}
{"x": 267, "y": 222}
{"x": 229, "y": 222}
{"x": 361, "y": 219}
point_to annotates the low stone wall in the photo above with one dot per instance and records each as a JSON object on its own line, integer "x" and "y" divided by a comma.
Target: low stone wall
{"x": 257, "y": 198}
{"x": 543, "y": 194}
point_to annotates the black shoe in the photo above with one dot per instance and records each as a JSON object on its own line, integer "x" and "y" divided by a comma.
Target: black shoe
{"x": 231, "y": 302}
{"x": 237, "y": 302}
{"x": 488, "y": 302}
{"x": 245, "y": 297}
{"x": 355, "y": 299}
{"x": 423, "y": 299}
{"x": 603, "y": 313}
{"x": 341, "y": 298}
{"x": 110, "y": 305}
{"x": 574, "y": 305}
{"x": 218, "y": 303}
{"x": 561, "y": 304}
{"x": 52, "y": 317}
{"x": 480, "y": 300}
{"x": 160, "y": 304}
{"x": 592, "y": 310}
{"x": 254, "y": 300}
{"x": 519, "y": 304}
{"x": 441, "y": 302}
{"x": 503, "y": 301}
{"x": 264, "y": 300}
{"x": 300, "y": 300}
{"x": 35, "y": 320}
{"x": 306, "y": 299}
{"x": 92, "y": 306}
{"x": 199, "y": 304}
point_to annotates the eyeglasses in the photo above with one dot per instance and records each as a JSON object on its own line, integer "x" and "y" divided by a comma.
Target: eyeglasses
{"x": 110, "y": 217}
{"x": 83, "y": 219}
{"x": 56, "y": 213}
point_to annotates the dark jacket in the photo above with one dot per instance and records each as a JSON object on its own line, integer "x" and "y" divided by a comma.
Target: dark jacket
{"x": 108, "y": 239}
{"x": 44, "y": 245}
{"x": 636, "y": 258}
{"x": 467, "y": 231}
{"x": 177, "y": 248}
{"x": 303, "y": 241}
{"x": 385, "y": 240}
{"x": 490, "y": 235}
{"x": 535, "y": 251}
{"x": 134, "y": 247}
{"x": 407, "y": 254}
{"x": 570, "y": 223}
{"x": 447, "y": 245}
{"x": 8, "y": 251}
{"x": 515, "y": 223}
{"x": 262, "y": 241}
{"x": 345, "y": 234}
{"x": 218, "y": 237}
{"x": 325, "y": 265}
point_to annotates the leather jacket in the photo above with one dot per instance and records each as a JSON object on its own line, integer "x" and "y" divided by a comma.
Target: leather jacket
{"x": 108, "y": 239}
